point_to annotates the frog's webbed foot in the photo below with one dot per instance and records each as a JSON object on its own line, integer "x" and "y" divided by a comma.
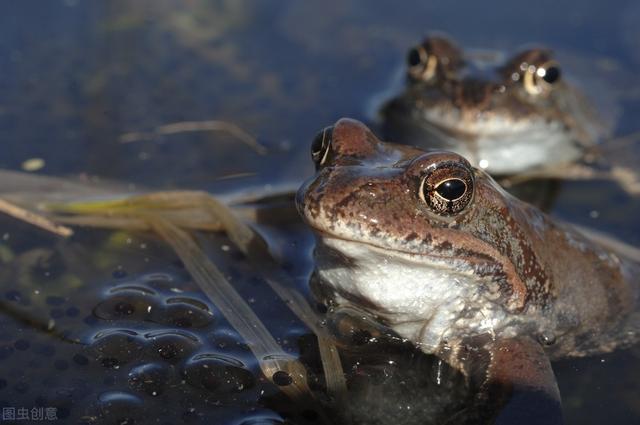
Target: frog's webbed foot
{"x": 514, "y": 382}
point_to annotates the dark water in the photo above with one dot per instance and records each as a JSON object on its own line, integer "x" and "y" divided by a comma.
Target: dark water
{"x": 132, "y": 332}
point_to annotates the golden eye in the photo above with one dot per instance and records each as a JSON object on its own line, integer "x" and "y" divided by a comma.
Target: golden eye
{"x": 321, "y": 146}
{"x": 422, "y": 65}
{"x": 447, "y": 189}
{"x": 539, "y": 79}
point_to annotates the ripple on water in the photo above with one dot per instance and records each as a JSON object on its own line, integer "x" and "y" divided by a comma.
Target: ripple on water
{"x": 128, "y": 304}
{"x": 218, "y": 374}
{"x": 150, "y": 378}
{"x": 185, "y": 315}
{"x": 120, "y": 407}
{"x": 262, "y": 420}
{"x": 114, "y": 348}
{"x": 140, "y": 302}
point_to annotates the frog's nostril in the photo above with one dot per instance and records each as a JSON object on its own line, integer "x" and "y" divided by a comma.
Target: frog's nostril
{"x": 321, "y": 146}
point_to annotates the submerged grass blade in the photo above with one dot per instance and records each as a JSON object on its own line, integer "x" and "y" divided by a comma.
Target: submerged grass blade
{"x": 181, "y": 206}
{"x": 259, "y": 255}
{"x": 331, "y": 363}
{"x": 197, "y": 126}
{"x": 270, "y": 355}
{"x": 34, "y": 219}
{"x": 106, "y": 222}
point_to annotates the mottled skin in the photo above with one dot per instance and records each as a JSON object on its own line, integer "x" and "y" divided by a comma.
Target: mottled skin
{"x": 513, "y": 271}
{"x": 498, "y": 113}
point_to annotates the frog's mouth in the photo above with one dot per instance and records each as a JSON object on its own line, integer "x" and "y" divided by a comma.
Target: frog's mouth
{"x": 501, "y": 144}
{"x": 465, "y": 124}
{"x": 343, "y": 249}
{"x": 461, "y": 126}
{"x": 480, "y": 267}
{"x": 327, "y": 239}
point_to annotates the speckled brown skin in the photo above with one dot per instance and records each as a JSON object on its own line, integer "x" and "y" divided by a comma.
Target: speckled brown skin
{"x": 461, "y": 85}
{"x": 553, "y": 283}
{"x": 468, "y": 92}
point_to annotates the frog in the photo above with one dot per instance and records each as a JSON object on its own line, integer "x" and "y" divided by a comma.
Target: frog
{"x": 515, "y": 116}
{"x": 434, "y": 249}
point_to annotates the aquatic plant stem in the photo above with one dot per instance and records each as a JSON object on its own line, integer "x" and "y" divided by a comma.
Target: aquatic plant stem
{"x": 211, "y": 281}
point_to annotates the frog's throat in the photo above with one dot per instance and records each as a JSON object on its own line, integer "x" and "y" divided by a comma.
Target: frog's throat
{"x": 518, "y": 292}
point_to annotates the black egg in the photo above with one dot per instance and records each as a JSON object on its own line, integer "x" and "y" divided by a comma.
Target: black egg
{"x": 282, "y": 378}
{"x": 115, "y": 348}
{"x": 127, "y": 304}
{"x": 172, "y": 346}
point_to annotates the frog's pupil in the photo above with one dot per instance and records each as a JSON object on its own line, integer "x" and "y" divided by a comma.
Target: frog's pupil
{"x": 413, "y": 58}
{"x": 552, "y": 74}
{"x": 451, "y": 189}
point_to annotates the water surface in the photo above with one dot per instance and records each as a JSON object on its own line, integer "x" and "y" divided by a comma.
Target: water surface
{"x": 79, "y": 79}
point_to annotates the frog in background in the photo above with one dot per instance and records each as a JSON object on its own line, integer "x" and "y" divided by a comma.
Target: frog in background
{"x": 516, "y": 118}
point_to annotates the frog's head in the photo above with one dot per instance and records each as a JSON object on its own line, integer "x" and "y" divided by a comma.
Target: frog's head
{"x": 422, "y": 239}
{"x": 504, "y": 115}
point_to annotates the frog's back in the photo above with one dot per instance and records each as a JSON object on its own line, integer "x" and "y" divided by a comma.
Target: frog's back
{"x": 599, "y": 306}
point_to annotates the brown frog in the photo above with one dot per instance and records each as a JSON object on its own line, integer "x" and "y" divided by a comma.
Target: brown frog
{"x": 508, "y": 116}
{"x": 438, "y": 252}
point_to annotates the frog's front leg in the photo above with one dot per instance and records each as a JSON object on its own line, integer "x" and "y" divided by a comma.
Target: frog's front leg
{"x": 514, "y": 381}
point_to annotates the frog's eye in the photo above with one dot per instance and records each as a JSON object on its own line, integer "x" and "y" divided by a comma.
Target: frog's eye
{"x": 321, "y": 146}
{"x": 540, "y": 79}
{"x": 447, "y": 189}
{"x": 422, "y": 65}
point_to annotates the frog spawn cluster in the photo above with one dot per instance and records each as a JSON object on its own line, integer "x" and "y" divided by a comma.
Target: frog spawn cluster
{"x": 145, "y": 348}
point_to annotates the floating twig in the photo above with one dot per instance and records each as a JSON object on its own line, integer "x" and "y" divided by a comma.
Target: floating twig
{"x": 196, "y": 126}
{"x": 34, "y": 219}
